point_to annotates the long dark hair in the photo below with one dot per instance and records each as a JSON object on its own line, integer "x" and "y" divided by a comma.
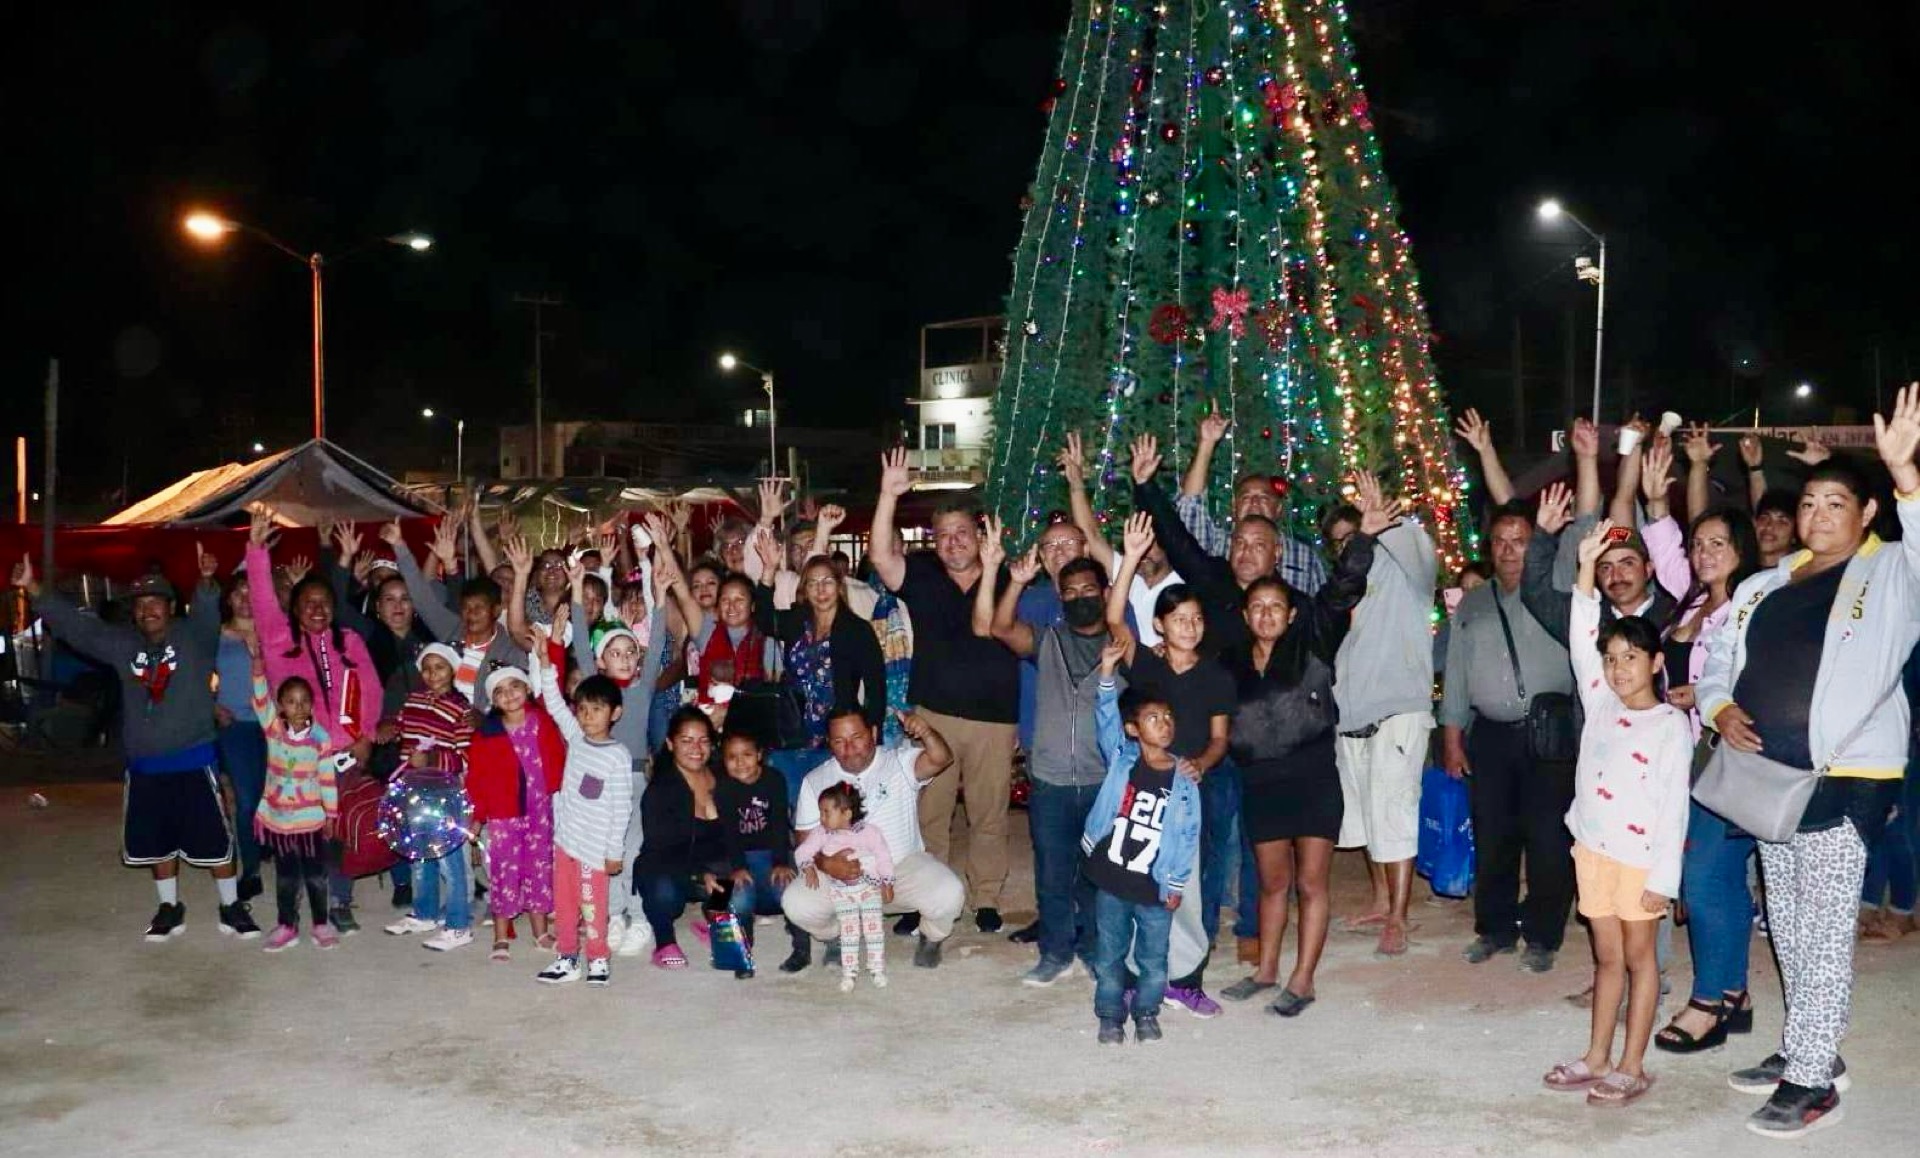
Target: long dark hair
{"x": 1746, "y": 549}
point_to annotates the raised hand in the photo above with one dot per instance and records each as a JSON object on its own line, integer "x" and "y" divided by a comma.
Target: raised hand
{"x": 1556, "y": 509}
{"x": 1752, "y": 454}
{"x": 1111, "y": 655}
{"x": 657, "y": 529}
{"x": 1474, "y": 431}
{"x": 1595, "y": 543}
{"x": 773, "y": 499}
{"x": 1213, "y": 427}
{"x": 1585, "y": 438}
{"x": 1026, "y": 568}
{"x": 1700, "y": 447}
{"x": 576, "y": 574}
{"x": 519, "y": 555}
{"x": 445, "y": 543}
{"x": 1897, "y": 437}
{"x": 894, "y": 477}
{"x": 1656, "y": 472}
{"x": 826, "y": 523}
{"x": 327, "y": 530}
{"x": 259, "y": 525}
{"x": 680, "y": 512}
{"x": 347, "y": 540}
{"x": 767, "y": 547}
{"x": 390, "y": 534}
{"x": 1146, "y": 458}
{"x": 1136, "y": 538}
{"x": 507, "y": 524}
{"x": 362, "y": 567}
{"x": 912, "y": 725}
{"x": 993, "y": 547}
{"x": 608, "y": 541}
{"x": 1812, "y": 452}
{"x": 23, "y": 576}
{"x": 205, "y": 560}
{"x": 1073, "y": 463}
{"x": 298, "y": 567}
{"x": 1377, "y": 513}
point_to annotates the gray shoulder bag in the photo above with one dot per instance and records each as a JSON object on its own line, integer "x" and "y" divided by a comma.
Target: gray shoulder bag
{"x": 1765, "y": 797}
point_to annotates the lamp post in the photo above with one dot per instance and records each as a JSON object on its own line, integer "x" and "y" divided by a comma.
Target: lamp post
{"x": 1550, "y": 211}
{"x": 459, "y": 445}
{"x": 211, "y": 228}
{"x": 729, "y": 362}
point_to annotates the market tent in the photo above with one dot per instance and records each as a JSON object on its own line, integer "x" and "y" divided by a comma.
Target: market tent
{"x": 305, "y": 485}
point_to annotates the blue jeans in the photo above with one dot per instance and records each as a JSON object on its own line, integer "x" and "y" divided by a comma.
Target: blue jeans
{"x": 428, "y": 876}
{"x": 659, "y": 711}
{"x": 243, "y": 757}
{"x": 1219, "y": 834}
{"x": 1891, "y": 866}
{"x": 1056, "y": 819}
{"x": 664, "y": 896}
{"x": 1144, "y": 929}
{"x": 762, "y": 897}
{"x": 793, "y": 764}
{"x": 1713, "y": 883}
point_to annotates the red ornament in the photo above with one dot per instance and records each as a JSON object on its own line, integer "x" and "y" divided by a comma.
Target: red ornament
{"x": 1170, "y": 324}
{"x": 1230, "y": 310}
{"x": 1215, "y": 75}
{"x": 1266, "y": 432}
{"x": 1279, "y": 485}
{"x": 1272, "y": 320}
{"x": 1170, "y": 132}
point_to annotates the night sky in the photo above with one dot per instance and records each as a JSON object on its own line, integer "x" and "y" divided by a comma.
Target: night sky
{"x": 807, "y": 182}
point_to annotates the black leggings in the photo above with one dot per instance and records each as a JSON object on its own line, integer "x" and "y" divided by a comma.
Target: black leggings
{"x": 291, "y": 870}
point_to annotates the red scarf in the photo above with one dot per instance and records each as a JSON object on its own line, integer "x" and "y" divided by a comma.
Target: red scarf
{"x": 738, "y": 664}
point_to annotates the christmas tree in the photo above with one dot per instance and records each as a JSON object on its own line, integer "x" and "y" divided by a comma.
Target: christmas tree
{"x": 1211, "y": 224}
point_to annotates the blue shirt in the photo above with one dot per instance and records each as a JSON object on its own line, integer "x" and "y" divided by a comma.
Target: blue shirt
{"x": 1040, "y": 607}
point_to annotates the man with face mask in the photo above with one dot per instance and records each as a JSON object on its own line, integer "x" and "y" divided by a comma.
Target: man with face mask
{"x": 1063, "y": 758}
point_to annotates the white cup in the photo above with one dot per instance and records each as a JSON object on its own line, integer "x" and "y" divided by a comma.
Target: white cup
{"x": 1629, "y": 440}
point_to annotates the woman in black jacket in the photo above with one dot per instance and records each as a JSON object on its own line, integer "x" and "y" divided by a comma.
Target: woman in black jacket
{"x": 832, "y": 656}
{"x": 691, "y": 851}
{"x": 1283, "y": 743}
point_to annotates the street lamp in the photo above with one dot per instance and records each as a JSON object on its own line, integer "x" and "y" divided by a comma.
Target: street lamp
{"x": 729, "y": 362}
{"x": 1551, "y": 211}
{"x": 1804, "y": 390}
{"x": 459, "y": 444}
{"x": 211, "y": 228}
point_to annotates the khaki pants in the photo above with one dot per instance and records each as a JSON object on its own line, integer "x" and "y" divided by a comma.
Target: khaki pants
{"x": 982, "y": 769}
{"x": 920, "y": 884}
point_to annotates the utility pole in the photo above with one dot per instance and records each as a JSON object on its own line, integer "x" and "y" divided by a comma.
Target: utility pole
{"x": 539, "y": 395}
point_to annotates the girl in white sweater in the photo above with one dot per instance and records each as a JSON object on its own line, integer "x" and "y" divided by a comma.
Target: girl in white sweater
{"x": 1629, "y": 824}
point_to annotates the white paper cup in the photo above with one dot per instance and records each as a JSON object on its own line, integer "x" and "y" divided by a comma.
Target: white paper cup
{"x": 1629, "y": 440}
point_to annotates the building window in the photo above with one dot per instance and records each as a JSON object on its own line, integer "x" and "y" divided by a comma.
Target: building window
{"x": 938, "y": 436}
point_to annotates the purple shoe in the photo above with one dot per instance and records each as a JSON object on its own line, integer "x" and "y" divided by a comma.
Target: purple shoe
{"x": 283, "y": 937}
{"x": 1195, "y": 1001}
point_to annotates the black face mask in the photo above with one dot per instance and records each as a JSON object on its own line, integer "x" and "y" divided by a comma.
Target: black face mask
{"x": 1085, "y": 612}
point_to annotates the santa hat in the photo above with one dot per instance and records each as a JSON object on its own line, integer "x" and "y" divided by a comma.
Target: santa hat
{"x": 501, "y": 675}
{"x": 441, "y": 650}
{"x": 600, "y": 645}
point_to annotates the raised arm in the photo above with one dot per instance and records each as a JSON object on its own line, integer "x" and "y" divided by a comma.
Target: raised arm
{"x": 439, "y": 618}
{"x": 203, "y": 611}
{"x": 1073, "y": 468}
{"x": 84, "y": 633}
{"x": 1547, "y": 605}
{"x": 1107, "y": 731}
{"x": 269, "y": 621}
{"x": 1136, "y": 540}
{"x": 884, "y": 546}
{"x": 1626, "y": 484}
{"x": 1700, "y": 449}
{"x": 1896, "y": 438}
{"x": 993, "y": 556}
{"x": 1478, "y": 433}
{"x": 1585, "y": 439}
{"x": 1201, "y": 570}
{"x": 477, "y": 535}
{"x": 520, "y": 558}
{"x": 551, "y": 693}
{"x": 1008, "y": 628}
{"x": 1584, "y": 621}
{"x": 935, "y": 755}
{"x": 668, "y": 577}
{"x": 1213, "y": 428}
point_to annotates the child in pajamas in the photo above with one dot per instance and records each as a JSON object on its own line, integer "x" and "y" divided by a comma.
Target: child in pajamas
{"x": 858, "y": 903}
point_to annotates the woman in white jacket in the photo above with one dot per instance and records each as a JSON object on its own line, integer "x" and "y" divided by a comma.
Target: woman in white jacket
{"x": 1815, "y": 646}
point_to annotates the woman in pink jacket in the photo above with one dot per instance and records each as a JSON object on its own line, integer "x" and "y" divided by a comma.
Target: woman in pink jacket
{"x": 334, "y": 661}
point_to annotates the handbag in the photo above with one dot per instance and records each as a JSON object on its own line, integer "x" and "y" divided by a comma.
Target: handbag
{"x": 770, "y": 711}
{"x": 1553, "y": 718}
{"x": 1764, "y": 797}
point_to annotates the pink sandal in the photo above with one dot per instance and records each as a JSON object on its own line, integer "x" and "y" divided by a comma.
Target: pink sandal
{"x": 669, "y": 957}
{"x": 1572, "y": 1077}
{"x": 701, "y": 929}
{"x": 1619, "y": 1089}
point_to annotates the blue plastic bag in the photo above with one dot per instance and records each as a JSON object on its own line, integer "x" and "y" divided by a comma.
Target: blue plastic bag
{"x": 1446, "y": 834}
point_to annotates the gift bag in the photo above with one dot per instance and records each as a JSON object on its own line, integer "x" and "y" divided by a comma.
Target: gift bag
{"x": 1446, "y": 834}
{"x": 727, "y": 936}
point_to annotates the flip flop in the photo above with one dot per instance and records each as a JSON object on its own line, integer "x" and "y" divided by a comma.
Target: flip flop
{"x": 1572, "y": 1077}
{"x": 670, "y": 957}
{"x": 501, "y": 952}
{"x": 1290, "y": 1004}
{"x": 1619, "y": 1089}
{"x": 546, "y": 940}
{"x": 1246, "y": 988}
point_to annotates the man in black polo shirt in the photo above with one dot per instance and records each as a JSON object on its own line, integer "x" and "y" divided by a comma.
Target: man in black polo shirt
{"x": 968, "y": 688}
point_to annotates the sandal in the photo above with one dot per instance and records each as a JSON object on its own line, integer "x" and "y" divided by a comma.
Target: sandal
{"x": 1673, "y": 1039}
{"x": 1737, "y": 1013}
{"x": 501, "y": 952}
{"x": 1619, "y": 1089}
{"x": 669, "y": 957}
{"x": 1572, "y": 1077}
{"x": 1245, "y": 988}
{"x": 1290, "y": 1004}
{"x": 547, "y": 940}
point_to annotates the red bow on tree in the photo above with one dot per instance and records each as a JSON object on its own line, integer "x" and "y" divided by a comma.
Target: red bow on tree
{"x": 1230, "y": 310}
{"x": 1169, "y": 324}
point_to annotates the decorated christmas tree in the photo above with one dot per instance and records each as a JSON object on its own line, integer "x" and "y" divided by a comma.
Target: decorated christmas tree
{"x": 1212, "y": 224}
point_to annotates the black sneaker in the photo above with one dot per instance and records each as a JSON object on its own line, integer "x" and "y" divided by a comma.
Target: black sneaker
{"x": 1146, "y": 1028}
{"x": 1536, "y": 960}
{"x": 907, "y": 925}
{"x": 987, "y": 920}
{"x": 250, "y": 887}
{"x": 237, "y": 921}
{"x": 1112, "y": 1032}
{"x": 1765, "y": 1077}
{"x": 1795, "y": 1110}
{"x": 1485, "y": 949}
{"x": 1026, "y": 934}
{"x": 800, "y": 958}
{"x": 341, "y": 918}
{"x": 168, "y": 921}
{"x": 403, "y": 895}
{"x": 927, "y": 956}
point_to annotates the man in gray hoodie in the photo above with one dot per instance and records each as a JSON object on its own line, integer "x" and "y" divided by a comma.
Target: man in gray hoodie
{"x": 173, "y": 805}
{"x": 1383, "y": 686}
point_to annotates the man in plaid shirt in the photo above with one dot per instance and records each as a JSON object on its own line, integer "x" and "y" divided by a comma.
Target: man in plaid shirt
{"x": 1301, "y": 564}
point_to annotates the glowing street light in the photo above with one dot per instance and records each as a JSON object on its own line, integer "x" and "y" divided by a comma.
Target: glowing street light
{"x": 729, "y": 362}
{"x": 210, "y": 227}
{"x": 459, "y": 443}
{"x": 1804, "y": 390}
{"x": 1550, "y": 212}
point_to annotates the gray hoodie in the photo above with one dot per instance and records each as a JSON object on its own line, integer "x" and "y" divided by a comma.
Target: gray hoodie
{"x": 1066, "y": 748}
{"x": 1385, "y": 667}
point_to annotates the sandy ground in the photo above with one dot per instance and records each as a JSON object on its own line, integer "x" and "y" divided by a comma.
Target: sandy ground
{"x": 207, "y": 1046}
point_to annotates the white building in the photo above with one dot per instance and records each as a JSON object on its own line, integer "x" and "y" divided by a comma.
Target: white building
{"x": 953, "y": 416}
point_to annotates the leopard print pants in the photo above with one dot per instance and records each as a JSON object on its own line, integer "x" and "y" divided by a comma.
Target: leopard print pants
{"x": 1811, "y": 883}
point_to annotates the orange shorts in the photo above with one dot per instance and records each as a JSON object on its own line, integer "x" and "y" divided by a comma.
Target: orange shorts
{"x": 1609, "y": 888}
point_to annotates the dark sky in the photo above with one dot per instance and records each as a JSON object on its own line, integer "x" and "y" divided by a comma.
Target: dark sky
{"x": 809, "y": 181}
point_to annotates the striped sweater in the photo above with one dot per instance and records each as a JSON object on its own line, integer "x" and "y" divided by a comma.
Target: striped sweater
{"x": 300, "y": 794}
{"x": 438, "y": 724}
{"x": 595, "y": 800}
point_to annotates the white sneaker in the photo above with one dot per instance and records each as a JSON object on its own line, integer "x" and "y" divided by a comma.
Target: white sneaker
{"x": 879, "y": 980}
{"x": 598, "y": 972}
{"x": 617, "y": 927}
{"x": 412, "y": 924}
{"x": 638, "y": 940}
{"x": 447, "y": 939}
{"x": 846, "y": 983}
{"x": 563, "y": 970}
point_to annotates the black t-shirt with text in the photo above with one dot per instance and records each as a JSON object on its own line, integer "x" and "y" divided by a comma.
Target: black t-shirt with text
{"x": 955, "y": 672}
{"x": 1122, "y": 862}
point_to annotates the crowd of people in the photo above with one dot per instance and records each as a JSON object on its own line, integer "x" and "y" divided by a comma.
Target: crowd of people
{"x": 1206, "y": 708}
